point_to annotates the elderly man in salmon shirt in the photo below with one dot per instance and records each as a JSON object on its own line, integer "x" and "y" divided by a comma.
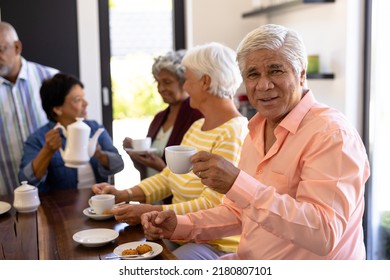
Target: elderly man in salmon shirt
{"x": 298, "y": 192}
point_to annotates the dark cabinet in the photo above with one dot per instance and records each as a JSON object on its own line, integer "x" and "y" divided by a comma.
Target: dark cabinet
{"x": 47, "y": 29}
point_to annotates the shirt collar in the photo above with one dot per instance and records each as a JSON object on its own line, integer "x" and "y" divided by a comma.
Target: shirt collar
{"x": 23, "y": 70}
{"x": 293, "y": 119}
{"x": 22, "y": 73}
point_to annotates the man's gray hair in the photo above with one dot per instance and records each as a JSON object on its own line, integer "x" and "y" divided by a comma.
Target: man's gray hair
{"x": 275, "y": 38}
{"x": 9, "y": 30}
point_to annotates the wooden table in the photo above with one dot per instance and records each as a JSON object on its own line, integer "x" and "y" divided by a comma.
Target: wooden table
{"x": 47, "y": 234}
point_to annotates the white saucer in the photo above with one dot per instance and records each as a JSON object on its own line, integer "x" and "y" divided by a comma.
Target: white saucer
{"x": 95, "y": 237}
{"x": 157, "y": 249}
{"x": 4, "y": 207}
{"x": 151, "y": 150}
{"x": 87, "y": 213}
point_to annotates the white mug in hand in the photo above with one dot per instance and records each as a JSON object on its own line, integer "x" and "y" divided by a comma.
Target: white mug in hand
{"x": 178, "y": 158}
{"x": 143, "y": 144}
{"x": 101, "y": 203}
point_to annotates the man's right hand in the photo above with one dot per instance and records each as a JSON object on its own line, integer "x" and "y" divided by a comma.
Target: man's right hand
{"x": 159, "y": 225}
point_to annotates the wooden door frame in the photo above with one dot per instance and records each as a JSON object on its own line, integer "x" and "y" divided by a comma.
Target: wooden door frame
{"x": 105, "y": 69}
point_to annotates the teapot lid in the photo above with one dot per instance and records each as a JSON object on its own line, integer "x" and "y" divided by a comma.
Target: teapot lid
{"x": 24, "y": 187}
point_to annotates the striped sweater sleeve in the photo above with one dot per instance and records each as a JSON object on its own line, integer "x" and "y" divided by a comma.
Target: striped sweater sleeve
{"x": 156, "y": 187}
{"x": 227, "y": 142}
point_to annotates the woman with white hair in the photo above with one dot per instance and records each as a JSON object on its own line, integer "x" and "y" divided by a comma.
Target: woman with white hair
{"x": 212, "y": 78}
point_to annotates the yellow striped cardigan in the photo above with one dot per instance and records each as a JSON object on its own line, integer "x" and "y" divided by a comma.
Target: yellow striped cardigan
{"x": 189, "y": 194}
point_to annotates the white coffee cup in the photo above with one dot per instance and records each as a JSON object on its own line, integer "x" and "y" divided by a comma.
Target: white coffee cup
{"x": 101, "y": 203}
{"x": 143, "y": 144}
{"x": 179, "y": 158}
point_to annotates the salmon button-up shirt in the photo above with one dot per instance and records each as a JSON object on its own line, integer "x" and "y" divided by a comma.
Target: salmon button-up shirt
{"x": 303, "y": 199}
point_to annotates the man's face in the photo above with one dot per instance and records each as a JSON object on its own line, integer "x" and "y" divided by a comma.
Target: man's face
{"x": 272, "y": 86}
{"x": 9, "y": 55}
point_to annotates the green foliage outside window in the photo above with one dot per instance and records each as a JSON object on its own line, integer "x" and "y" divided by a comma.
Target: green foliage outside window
{"x": 143, "y": 103}
{"x": 134, "y": 90}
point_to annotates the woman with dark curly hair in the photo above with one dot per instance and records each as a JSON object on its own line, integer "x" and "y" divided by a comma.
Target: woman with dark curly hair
{"x": 63, "y": 100}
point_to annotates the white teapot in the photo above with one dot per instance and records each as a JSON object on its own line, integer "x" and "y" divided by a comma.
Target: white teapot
{"x": 26, "y": 198}
{"x": 79, "y": 147}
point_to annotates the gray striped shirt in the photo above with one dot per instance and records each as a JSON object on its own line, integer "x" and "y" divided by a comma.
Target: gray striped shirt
{"x": 21, "y": 113}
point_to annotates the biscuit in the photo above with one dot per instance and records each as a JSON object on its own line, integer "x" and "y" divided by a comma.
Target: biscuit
{"x": 127, "y": 252}
{"x": 143, "y": 248}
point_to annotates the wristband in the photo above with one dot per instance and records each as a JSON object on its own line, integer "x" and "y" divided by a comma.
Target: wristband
{"x": 130, "y": 193}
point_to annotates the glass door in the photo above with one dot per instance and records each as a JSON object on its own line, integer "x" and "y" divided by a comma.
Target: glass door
{"x": 378, "y": 205}
{"x": 139, "y": 31}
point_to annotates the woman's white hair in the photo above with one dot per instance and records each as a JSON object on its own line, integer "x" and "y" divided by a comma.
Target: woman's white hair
{"x": 275, "y": 38}
{"x": 219, "y": 63}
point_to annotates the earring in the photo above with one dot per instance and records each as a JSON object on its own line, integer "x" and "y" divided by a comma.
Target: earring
{"x": 58, "y": 112}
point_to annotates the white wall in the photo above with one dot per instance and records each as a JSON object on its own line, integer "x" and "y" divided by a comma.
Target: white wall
{"x": 89, "y": 55}
{"x": 335, "y": 32}
{"x": 218, "y": 20}
{"x": 332, "y": 30}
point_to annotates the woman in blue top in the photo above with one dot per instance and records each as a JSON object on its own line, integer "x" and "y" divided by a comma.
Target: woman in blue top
{"x": 63, "y": 100}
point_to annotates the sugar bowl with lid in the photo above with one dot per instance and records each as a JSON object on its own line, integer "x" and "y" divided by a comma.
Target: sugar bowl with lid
{"x": 26, "y": 198}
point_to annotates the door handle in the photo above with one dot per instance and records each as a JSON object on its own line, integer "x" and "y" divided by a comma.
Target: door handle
{"x": 106, "y": 96}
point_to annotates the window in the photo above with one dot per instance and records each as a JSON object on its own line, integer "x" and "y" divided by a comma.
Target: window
{"x": 139, "y": 31}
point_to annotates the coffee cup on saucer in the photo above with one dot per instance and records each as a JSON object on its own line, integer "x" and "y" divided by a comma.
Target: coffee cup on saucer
{"x": 102, "y": 203}
{"x": 142, "y": 144}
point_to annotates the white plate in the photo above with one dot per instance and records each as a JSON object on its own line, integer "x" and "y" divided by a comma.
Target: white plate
{"x": 151, "y": 150}
{"x": 94, "y": 216}
{"x": 4, "y": 207}
{"x": 95, "y": 237}
{"x": 157, "y": 249}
